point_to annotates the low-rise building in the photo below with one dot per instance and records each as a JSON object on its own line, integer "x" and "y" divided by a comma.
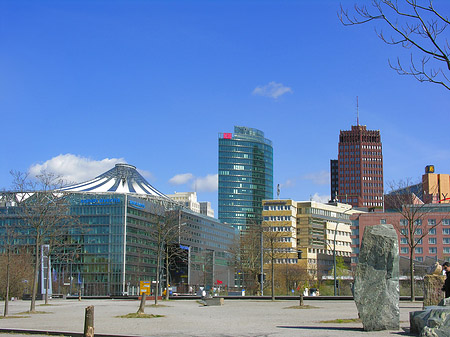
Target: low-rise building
{"x": 310, "y": 232}
{"x": 189, "y": 200}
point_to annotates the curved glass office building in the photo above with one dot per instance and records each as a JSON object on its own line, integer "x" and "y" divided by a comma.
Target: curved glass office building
{"x": 245, "y": 175}
{"x": 119, "y": 224}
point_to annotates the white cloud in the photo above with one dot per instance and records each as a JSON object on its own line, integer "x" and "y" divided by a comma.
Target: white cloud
{"x": 320, "y": 198}
{"x": 75, "y": 169}
{"x": 181, "y": 179}
{"x": 318, "y": 178}
{"x": 206, "y": 184}
{"x": 273, "y": 90}
{"x": 288, "y": 183}
{"x": 146, "y": 174}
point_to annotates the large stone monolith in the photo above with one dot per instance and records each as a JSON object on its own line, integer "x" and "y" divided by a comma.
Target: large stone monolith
{"x": 376, "y": 289}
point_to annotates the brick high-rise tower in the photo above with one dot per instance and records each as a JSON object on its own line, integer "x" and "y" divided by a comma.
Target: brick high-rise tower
{"x": 360, "y": 168}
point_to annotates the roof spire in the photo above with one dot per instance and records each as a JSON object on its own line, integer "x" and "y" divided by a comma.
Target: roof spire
{"x": 357, "y": 111}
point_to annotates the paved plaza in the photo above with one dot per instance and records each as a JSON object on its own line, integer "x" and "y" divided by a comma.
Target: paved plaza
{"x": 249, "y": 318}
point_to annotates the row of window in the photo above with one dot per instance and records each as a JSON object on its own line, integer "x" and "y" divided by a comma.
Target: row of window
{"x": 379, "y": 204}
{"x": 431, "y": 241}
{"x": 338, "y": 243}
{"x": 278, "y": 218}
{"x": 431, "y": 222}
{"x": 277, "y": 208}
{"x": 285, "y": 261}
{"x": 341, "y": 233}
{"x": 431, "y": 231}
{"x": 279, "y": 229}
{"x": 419, "y": 250}
{"x": 369, "y": 147}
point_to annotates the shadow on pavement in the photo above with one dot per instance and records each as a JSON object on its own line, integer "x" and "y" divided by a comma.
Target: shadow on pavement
{"x": 405, "y": 332}
{"x": 341, "y": 328}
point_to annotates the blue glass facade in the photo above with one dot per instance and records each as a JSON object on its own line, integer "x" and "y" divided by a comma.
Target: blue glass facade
{"x": 245, "y": 175}
{"x": 112, "y": 246}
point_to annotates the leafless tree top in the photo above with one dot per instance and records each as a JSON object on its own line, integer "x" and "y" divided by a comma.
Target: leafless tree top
{"x": 415, "y": 25}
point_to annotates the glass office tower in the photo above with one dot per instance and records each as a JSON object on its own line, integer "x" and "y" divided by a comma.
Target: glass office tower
{"x": 245, "y": 175}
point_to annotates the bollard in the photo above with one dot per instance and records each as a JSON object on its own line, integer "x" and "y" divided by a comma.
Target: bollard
{"x": 89, "y": 322}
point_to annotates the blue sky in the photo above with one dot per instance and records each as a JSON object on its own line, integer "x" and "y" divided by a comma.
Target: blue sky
{"x": 86, "y": 84}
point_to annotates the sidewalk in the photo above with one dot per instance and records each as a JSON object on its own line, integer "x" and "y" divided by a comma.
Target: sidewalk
{"x": 188, "y": 318}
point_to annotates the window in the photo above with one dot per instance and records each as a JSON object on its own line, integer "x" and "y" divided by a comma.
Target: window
{"x": 403, "y": 241}
{"x": 419, "y": 258}
{"x": 382, "y": 221}
{"x": 405, "y": 250}
{"x": 418, "y": 250}
{"x": 403, "y": 222}
{"x": 446, "y": 241}
{"x": 418, "y": 222}
{"x": 418, "y": 231}
{"x": 432, "y": 250}
{"x": 432, "y": 222}
{"x": 446, "y": 222}
{"x": 432, "y": 231}
{"x": 446, "y": 231}
{"x": 432, "y": 241}
{"x": 446, "y": 250}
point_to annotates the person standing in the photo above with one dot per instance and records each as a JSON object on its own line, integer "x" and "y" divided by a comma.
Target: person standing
{"x": 446, "y": 287}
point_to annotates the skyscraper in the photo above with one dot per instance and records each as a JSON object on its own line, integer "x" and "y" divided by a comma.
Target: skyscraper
{"x": 245, "y": 175}
{"x": 360, "y": 168}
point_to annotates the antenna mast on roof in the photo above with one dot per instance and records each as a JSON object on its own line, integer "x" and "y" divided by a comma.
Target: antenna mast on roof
{"x": 357, "y": 111}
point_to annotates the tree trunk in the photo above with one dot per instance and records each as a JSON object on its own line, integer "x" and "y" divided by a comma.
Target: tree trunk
{"x": 5, "y": 313}
{"x": 158, "y": 265}
{"x": 35, "y": 278}
{"x": 273, "y": 278}
{"x": 142, "y": 304}
{"x": 301, "y": 298}
{"x": 411, "y": 269}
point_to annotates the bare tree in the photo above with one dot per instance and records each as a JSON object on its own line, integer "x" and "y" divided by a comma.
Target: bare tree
{"x": 292, "y": 277}
{"x": 415, "y": 25}
{"x": 273, "y": 250}
{"x": 166, "y": 232}
{"x": 173, "y": 252}
{"x": 13, "y": 279}
{"x": 7, "y": 237}
{"x": 246, "y": 254}
{"x": 44, "y": 214}
{"x": 404, "y": 200}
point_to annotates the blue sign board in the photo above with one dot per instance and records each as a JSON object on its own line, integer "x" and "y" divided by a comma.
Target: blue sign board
{"x": 100, "y": 201}
{"x": 136, "y": 204}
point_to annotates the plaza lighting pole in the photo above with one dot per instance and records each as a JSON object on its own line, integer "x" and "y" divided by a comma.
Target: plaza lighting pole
{"x": 334, "y": 256}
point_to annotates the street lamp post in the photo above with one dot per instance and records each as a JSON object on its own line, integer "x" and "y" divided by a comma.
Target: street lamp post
{"x": 334, "y": 256}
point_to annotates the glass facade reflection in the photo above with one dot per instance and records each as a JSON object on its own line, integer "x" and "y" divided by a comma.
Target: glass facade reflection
{"x": 245, "y": 175}
{"x": 112, "y": 246}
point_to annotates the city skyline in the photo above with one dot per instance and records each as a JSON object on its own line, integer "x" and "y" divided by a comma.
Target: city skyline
{"x": 86, "y": 85}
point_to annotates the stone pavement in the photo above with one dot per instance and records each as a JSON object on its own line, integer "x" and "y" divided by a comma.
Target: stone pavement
{"x": 246, "y": 318}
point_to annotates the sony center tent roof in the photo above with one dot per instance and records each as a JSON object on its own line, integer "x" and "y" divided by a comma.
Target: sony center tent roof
{"x": 123, "y": 178}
